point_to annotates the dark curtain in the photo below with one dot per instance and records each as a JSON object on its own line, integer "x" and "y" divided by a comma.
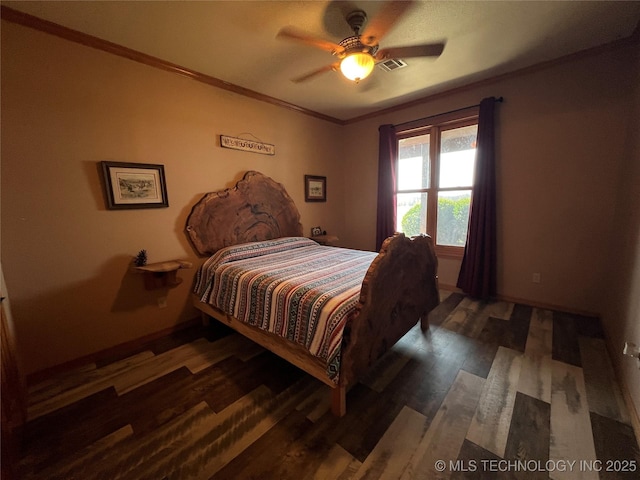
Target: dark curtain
{"x": 478, "y": 271}
{"x": 387, "y": 155}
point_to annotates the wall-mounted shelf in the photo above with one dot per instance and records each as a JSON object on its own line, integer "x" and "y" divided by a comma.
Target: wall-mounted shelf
{"x": 162, "y": 274}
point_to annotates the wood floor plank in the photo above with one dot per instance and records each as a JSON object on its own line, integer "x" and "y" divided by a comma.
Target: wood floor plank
{"x": 509, "y": 329}
{"x": 157, "y": 366}
{"x": 385, "y": 370}
{"x": 156, "y": 455}
{"x": 603, "y": 393}
{"x": 480, "y": 358}
{"x": 529, "y": 436}
{"x": 471, "y": 316}
{"x": 490, "y": 425}
{"x": 571, "y": 434}
{"x": 467, "y": 318}
{"x": 87, "y": 383}
{"x": 155, "y": 403}
{"x": 196, "y": 356}
{"x": 589, "y": 326}
{"x": 263, "y": 417}
{"x": 193, "y": 331}
{"x": 394, "y": 450}
{"x": 58, "y": 434}
{"x": 369, "y": 415}
{"x": 338, "y": 464}
{"x": 616, "y": 447}
{"x": 212, "y": 443}
{"x": 52, "y": 386}
{"x": 447, "y": 431}
{"x": 84, "y": 459}
{"x": 279, "y": 374}
{"x": 444, "y": 294}
{"x": 130, "y": 453}
{"x": 499, "y": 309}
{"x": 565, "y": 339}
{"x": 474, "y": 464}
{"x": 317, "y": 404}
{"x": 425, "y": 381}
{"x": 214, "y": 352}
{"x": 535, "y": 377}
{"x": 274, "y": 455}
{"x": 541, "y": 319}
{"x": 442, "y": 311}
{"x": 235, "y": 378}
{"x": 540, "y": 335}
{"x": 517, "y": 334}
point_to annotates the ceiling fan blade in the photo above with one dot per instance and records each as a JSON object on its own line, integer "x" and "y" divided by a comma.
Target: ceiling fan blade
{"x": 429, "y": 50}
{"x": 291, "y": 33}
{"x": 318, "y": 71}
{"x": 384, "y": 21}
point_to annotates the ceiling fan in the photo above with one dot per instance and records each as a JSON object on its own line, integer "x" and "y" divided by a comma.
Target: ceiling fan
{"x": 359, "y": 52}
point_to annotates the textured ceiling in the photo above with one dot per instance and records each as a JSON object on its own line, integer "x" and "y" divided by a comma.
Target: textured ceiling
{"x": 235, "y": 41}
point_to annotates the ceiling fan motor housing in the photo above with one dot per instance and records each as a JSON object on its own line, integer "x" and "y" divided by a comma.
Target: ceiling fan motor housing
{"x": 353, "y": 44}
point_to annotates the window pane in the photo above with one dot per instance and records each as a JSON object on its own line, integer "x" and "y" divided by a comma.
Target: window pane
{"x": 411, "y": 216}
{"x": 413, "y": 163}
{"x": 453, "y": 217}
{"x": 457, "y": 156}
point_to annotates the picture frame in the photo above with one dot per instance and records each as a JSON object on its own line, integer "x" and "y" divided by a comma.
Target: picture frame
{"x": 134, "y": 185}
{"x": 315, "y": 188}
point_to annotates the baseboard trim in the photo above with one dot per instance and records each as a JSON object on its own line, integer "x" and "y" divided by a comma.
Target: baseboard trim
{"x": 531, "y": 303}
{"x": 129, "y": 346}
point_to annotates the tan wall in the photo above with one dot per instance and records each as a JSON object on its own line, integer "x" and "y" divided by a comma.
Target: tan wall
{"x": 621, "y": 313}
{"x": 65, "y": 108}
{"x": 560, "y": 141}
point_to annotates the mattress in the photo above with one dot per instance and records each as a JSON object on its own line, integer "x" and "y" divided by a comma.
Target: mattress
{"x": 291, "y": 287}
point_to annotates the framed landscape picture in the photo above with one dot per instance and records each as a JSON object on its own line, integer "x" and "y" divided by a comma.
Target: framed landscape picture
{"x": 134, "y": 185}
{"x": 315, "y": 188}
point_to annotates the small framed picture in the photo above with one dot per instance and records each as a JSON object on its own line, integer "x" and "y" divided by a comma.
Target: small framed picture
{"x": 315, "y": 188}
{"x": 134, "y": 185}
{"x": 315, "y": 231}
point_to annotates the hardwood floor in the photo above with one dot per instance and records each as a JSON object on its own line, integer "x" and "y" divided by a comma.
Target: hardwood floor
{"x": 492, "y": 390}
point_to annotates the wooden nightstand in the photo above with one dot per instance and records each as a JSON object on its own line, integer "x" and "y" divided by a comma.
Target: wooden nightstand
{"x": 162, "y": 274}
{"x": 328, "y": 240}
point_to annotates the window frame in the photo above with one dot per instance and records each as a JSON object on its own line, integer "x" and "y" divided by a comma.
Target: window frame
{"x": 434, "y": 126}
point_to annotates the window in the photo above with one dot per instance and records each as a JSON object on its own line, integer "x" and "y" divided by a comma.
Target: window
{"x": 435, "y": 181}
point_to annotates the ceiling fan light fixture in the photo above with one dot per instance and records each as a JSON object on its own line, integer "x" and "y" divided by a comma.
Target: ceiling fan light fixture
{"x": 357, "y": 66}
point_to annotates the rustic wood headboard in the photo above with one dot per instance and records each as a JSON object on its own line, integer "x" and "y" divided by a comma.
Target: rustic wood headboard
{"x": 257, "y": 208}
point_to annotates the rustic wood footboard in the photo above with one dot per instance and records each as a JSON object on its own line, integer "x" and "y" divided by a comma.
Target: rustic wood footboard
{"x": 399, "y": 289}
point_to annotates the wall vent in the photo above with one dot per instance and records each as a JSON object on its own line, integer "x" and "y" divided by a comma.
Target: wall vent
{"x": 392, "y": 64}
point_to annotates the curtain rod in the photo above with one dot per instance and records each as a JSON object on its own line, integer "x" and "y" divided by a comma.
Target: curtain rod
{"x": 499, "y": 99}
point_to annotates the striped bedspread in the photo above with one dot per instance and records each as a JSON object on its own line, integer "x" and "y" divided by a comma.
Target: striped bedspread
{"x": 290, "y": 286}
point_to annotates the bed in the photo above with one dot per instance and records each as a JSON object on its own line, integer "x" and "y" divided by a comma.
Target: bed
{"x": 330, "y": 311}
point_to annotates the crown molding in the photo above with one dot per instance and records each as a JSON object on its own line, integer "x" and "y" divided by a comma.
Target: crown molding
{"x": 30, "y": 21}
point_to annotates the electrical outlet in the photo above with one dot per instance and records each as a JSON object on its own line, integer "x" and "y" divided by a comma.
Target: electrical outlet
{"x": 535, "y": 278}
{"x": 162, "y": 302}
